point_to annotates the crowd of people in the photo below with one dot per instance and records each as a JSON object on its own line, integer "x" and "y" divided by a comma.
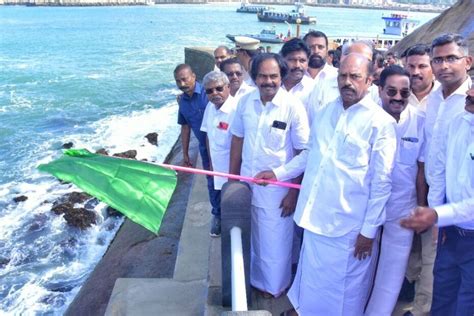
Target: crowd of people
{"x": 383, "y": 148}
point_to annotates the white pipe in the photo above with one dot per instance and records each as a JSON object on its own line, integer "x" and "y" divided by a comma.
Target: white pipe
{"x": 239, "y": 293}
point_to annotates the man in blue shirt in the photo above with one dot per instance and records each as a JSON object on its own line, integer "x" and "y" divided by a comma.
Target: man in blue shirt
{"x": 192, "y": 104}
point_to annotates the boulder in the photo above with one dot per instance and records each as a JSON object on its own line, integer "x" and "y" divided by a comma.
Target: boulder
{"x": 102, "y": 151}
{"x": 67, "y": 145}
{"x": 152, "y": 138}
{"x": 76, "y": 197}
{"x": 130, "y": 154}
{"x": 111, "y": 212}
{"x": 80, "y": 218}
{"x": 20, "y": 198}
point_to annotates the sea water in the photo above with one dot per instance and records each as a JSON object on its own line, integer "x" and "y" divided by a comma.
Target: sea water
{"x": 100, "y": 77}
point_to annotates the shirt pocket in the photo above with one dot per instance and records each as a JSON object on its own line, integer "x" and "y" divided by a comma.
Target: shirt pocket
{"x": 221, "y": 138}
{"x": 354, "y": 152}
{"x": 408, "y": 153}
{"x": 276, "y": 139}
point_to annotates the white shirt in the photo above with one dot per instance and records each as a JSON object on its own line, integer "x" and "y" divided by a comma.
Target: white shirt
{"x": 453, "y": 182}
{"x": 243, "y": 90}
{"x": 347, "y": 179}
{"x": 265, "y": 146}
{"x": 439, "y": 113}
{"x": 302, "y": 90}
{"x": 410, "y": 137}
{"x": 421, "y": 104}
{"x": 324, "y": 92}
{"x": 216, "y": 123}
{"x": 327, "y": 73}
{"x": 374, "y": 94}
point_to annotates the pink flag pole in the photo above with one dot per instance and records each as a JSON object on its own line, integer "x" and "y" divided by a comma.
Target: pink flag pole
{"x": 231, "y": 176}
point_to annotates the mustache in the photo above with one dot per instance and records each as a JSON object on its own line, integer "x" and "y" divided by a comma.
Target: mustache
{"x": 399, "y": 102}
{"x": 297, "y": 70}
{"x": 268, "y": 85}
{"x": 316, "y": 61}
{"x": 183, "y": 87}
{"x": 417, "y": 77}
{"x": 348, "y": 88}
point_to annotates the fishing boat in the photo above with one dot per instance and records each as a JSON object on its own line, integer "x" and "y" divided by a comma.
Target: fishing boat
{"x": 296, "y": 16}
{"x": 397, "y": 26}
{"x": 246, "y": 7}
{"x": 265, "y": 36}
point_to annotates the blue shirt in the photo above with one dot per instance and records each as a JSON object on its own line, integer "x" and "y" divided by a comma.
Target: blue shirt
{"x": 191, "y": 111}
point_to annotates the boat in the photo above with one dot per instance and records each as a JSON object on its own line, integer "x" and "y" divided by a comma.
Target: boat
{"x": 245, "y": 7}
{"x": 265, "y": 36}
{"x": 397, "y": 26}
{"x": 296, "y": 16}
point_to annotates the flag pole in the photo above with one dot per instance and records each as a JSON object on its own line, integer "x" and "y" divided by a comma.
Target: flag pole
{"x": 231, "y": 176}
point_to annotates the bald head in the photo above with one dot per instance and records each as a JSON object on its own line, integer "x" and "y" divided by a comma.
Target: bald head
{"x": 353, "y": 79}
{"x": 358, "y": 47}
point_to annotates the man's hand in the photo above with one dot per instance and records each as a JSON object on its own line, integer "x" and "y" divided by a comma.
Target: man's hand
{"x": 265, "y": 175}
{"x": 363, "y": 247}
{"x": 186, "y": 161}
{"x": 288, "y": 204}
{"x": 421, "y": 219}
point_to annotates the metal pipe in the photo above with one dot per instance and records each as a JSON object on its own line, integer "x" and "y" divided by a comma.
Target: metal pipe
{"x": 239, "y": 295}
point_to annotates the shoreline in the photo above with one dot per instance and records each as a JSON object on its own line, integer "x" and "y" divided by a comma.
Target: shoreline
{"x": 114, "y": 3}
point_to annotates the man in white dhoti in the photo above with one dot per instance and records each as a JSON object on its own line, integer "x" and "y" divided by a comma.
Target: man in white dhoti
{"x": 341, "y": 204}
{"x": 407, "y": 177}
{"x": 269, "y": 128}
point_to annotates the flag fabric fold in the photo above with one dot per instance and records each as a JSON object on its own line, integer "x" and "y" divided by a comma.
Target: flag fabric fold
{"x": 139, "y": 190}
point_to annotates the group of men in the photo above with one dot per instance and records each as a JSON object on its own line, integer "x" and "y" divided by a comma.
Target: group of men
{"x": 376, "y": 162}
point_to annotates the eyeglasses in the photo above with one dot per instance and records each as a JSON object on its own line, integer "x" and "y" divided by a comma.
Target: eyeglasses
{"x": 234, "y": 73}
{"x": 217, "y": 89}
{"x": 451, "y": 59}
{"x": 391, "y": 92}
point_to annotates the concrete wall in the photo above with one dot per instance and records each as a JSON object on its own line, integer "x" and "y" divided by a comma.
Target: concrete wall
{"x": 201, "y": 59}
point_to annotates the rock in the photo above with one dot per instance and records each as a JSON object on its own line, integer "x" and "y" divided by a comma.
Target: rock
{"x": 4, "y": 261}
{"x": 76, "y": 197}
{"x": 130, "y": 154}
{"x": 152, "y": 138}
{"x": 102, "y": 151}
{"x": 20, "y": 198}
{"x": 111, "y": 212}
{"x": 62, "y": 208}
{"x": 68, "y": 145}
{"x": 80, "y": 218}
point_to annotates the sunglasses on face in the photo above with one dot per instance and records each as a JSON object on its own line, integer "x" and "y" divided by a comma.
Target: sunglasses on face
{"x": 234, "y": 73}
{"x": 391, "y": 92}
{"x": 217, "y": 89}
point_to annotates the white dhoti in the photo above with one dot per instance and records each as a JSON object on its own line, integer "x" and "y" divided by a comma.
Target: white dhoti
{"x": 392, "y": 264}
{"x": 271, "y": 250}
{"x": 329, "y": 279}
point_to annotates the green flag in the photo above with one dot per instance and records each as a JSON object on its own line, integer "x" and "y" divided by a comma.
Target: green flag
{"x": 139, "y": 190}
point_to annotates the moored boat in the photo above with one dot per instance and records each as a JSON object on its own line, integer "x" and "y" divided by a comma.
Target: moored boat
{"x": 296, "y": 16}
{"x": 265, "y": 36}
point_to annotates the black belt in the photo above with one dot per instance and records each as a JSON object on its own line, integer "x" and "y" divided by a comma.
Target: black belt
{"x": 464, "y": 232}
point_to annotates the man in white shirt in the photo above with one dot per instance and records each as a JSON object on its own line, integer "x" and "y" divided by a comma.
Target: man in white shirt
{"x": 216, "y": 123}
{"x": 451, "y": 199}
{"x": 318, "y": 69}
{"x": 421, "y": 75}
{"x": 221, "y": 53}
{"x": 423, "y": 253}
{"x": 450, "y": 62}
{"x": 297, "y": 82}
{"x": 270, "y": 127}
{"x": 407, "y": 177}
{"x": 235, "y": 73}
{"x": 246, "y": 48}
{"x": 342, "y": 199}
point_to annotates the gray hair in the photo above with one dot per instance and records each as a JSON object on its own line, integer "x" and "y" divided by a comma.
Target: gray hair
{"x": 215, "y": 76}
{"x": 346, "y": 47}
{"x": 451, "y": 38}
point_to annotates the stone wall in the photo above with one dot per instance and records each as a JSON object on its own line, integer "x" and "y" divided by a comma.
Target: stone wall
{"x": 201, "y": 59}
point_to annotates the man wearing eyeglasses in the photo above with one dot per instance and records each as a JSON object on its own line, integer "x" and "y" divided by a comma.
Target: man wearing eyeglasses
{"x": 450, "y": 62}
{"x": 407, "y": 177}
{"x": 192, "y": 103}
{"x": 235, "y": 73}
{"x": 216, "y": 124}
{"x": 451, "y": 198}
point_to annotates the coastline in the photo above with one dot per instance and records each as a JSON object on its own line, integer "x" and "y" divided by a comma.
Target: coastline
{"x": 99, "y": 3}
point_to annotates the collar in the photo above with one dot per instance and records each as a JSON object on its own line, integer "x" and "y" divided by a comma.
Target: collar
{"x": 469, "y": 117}
{"x": 277, "y": 99}
{"x": 227, "y": 106}
{"x": 198, "y": 88}
{"x": 366, "y": 102}
{"x": 461, "y": 90}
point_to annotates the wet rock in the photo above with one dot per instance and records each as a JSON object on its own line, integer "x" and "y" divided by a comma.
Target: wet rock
{"x": 111, "y": 212}
{"x": 38, "y": 222}
{"x": 152, "y": 138}
{"x": 130, "y": 154}
{"x": 91, "y": 204}
{"x": 102, "y": 151}
{"x": 62, "y": 208}
{"x": 76, "y": 197}
{"x": 20, "y": 198}
{"x": 80, "y": 218}
{"x": 4, "y": 261}
{"x": 67, "y": 145}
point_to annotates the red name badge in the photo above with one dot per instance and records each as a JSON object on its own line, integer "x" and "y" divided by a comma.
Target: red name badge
{"x": 223, "y": 125}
